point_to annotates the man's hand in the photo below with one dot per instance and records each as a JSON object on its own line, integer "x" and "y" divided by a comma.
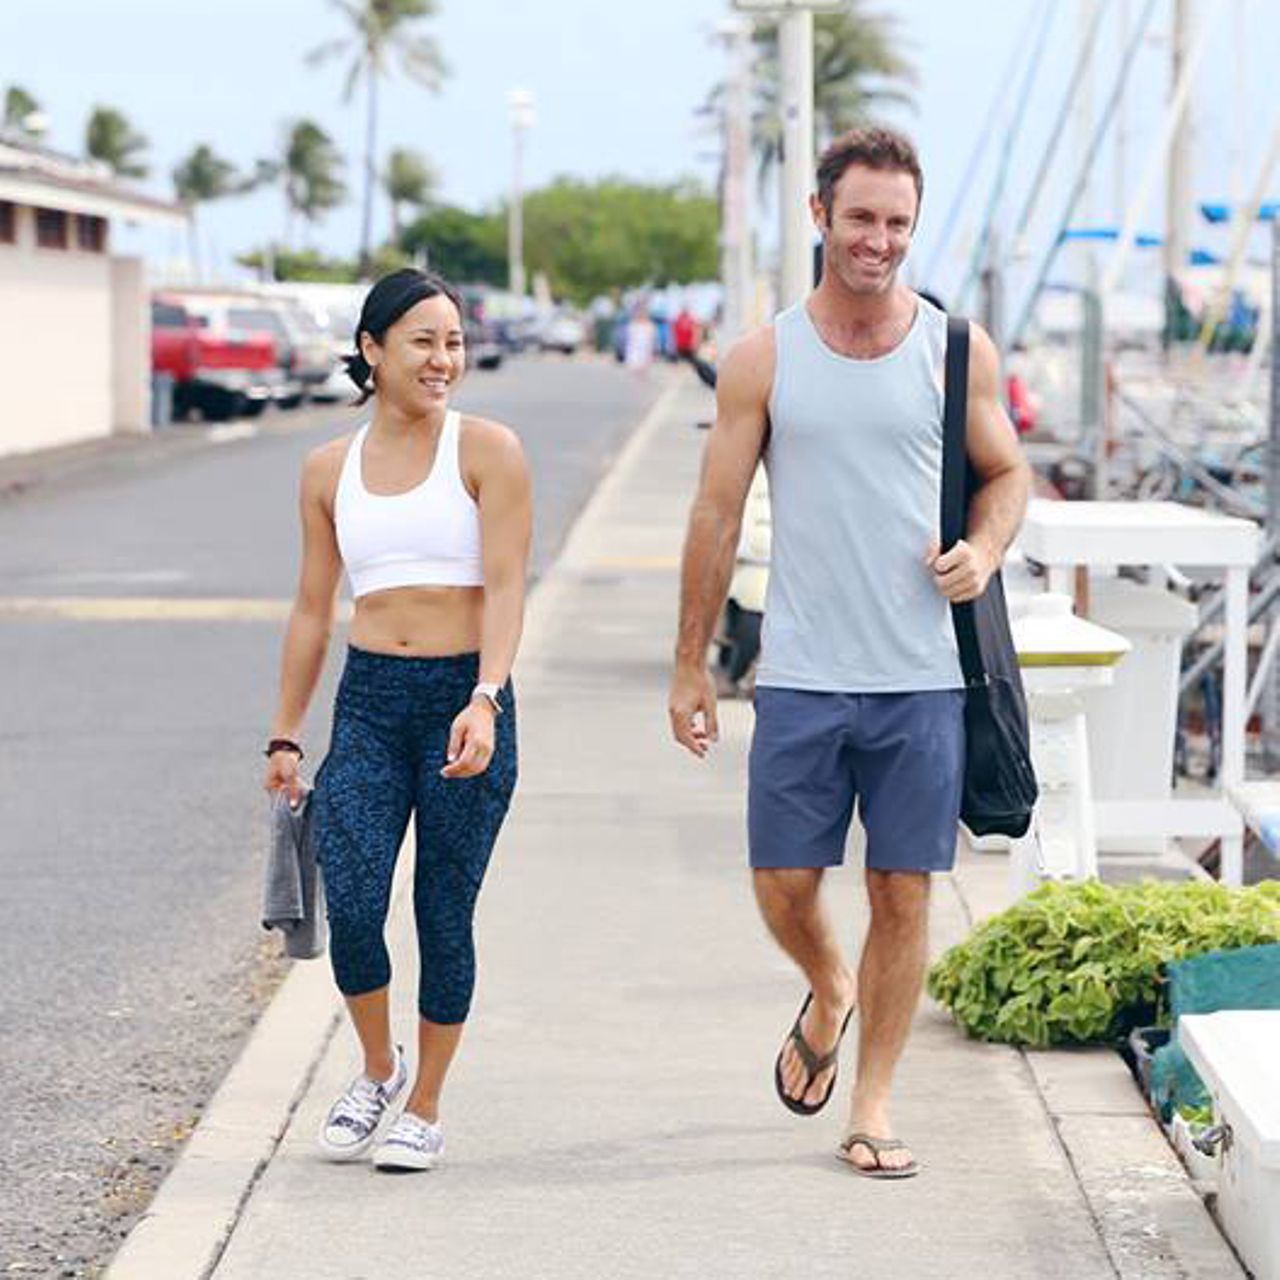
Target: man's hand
{"x": 692, "y": 707}
{"x": 963, "y": 573}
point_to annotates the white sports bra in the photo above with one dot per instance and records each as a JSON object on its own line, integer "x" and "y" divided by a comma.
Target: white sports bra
{"x": 428, "y": 536}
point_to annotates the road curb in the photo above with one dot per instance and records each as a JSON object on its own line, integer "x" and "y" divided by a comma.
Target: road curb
{"x": 186, "y": 1228}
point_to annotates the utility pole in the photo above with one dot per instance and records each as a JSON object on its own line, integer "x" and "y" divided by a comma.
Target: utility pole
{"x": 795, "y": 50}
{"x": 735, "y": 209}
{"x": 520, "y": 103}
{"x": 795, "y": 58}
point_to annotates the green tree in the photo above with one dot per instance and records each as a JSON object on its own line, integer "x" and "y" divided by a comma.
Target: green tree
{"x": 857, "y": 68}
{"x": 19, "y": 107}
{"x": 380, "y": 31}
{"x": 409, "y": 179}
{"x": 110, "y": 137}
{"x": 304, "y": 264}
{"x": 592, "y": 237}
{"x": 311, "y": 174}
{"x": 464, "y": 246}
{"x": 204, "y": 176}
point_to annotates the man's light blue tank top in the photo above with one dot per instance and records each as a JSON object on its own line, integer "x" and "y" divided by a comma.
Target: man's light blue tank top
{"x": 855, "y": 474}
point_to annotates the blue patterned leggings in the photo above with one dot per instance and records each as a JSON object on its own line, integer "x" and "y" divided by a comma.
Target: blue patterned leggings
{"x": 391, "y": 726}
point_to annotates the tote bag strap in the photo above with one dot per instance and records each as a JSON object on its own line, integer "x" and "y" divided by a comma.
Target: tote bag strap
{"x": 955, "y": 416}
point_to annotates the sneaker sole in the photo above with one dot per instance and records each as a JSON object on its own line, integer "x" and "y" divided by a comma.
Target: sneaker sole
{"x": 344, "y": 1155}
{"x": 408, "y": 1162}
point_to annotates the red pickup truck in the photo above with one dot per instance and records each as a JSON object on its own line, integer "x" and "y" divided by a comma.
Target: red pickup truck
{"x": 223, "y": 376}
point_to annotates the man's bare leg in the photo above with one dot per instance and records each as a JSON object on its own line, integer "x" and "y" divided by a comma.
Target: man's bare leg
{"x": 791, "y": 903}
{"x": 890, "y": 978}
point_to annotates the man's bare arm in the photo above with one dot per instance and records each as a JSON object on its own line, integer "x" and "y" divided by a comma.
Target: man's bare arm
{"x": 728, "y": 464}
{"x": 998, "y": 506}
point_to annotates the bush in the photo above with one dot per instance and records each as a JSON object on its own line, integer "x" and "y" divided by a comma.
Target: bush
{"x": 1080, "y": 963}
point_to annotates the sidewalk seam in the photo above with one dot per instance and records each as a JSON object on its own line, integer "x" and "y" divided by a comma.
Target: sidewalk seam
{"x": 1065, "y": 1148}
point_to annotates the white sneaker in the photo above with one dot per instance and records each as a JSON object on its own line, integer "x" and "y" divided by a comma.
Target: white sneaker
{"x": 351, "y": 1126}
{"x": 411, "y": 1143}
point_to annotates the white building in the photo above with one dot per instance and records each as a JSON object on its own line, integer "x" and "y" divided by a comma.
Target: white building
{"x": 75, "y": 333}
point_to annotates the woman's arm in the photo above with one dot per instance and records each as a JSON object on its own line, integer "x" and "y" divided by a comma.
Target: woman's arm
{"x": 506, "y": 525}
{"x": 495, "y": 465}
{"x": 311, "y": 618}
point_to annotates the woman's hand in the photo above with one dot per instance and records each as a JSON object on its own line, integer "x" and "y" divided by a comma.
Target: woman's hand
{"x": 282, "y": 775}
{"x": 470, "y": 740}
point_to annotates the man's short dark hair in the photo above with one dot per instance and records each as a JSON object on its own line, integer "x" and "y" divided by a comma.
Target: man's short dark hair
{"x": 873, "y": 147}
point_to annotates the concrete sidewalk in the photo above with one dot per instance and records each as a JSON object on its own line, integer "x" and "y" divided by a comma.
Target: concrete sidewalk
{"x": 612, "y": 1112}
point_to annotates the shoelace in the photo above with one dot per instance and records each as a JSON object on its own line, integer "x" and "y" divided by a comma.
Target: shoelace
{"x": 361, "y": 1106}
{"x": 417, "y": 1134}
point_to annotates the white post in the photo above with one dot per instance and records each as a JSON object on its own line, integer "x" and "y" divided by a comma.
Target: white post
{"x": 1234, "y": 662}
{"x": 735, "y": 230}
{"x": 795, "y": 36}
{"x": 520, "y": 102}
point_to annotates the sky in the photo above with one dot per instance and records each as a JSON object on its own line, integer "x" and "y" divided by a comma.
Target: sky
{"x": 616, "y": 91}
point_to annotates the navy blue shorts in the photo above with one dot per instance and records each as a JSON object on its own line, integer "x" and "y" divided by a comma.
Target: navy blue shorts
{"x": 900, "y": 756}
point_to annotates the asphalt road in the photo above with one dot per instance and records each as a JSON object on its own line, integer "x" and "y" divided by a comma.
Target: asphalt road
{"x": 131, "y": 823}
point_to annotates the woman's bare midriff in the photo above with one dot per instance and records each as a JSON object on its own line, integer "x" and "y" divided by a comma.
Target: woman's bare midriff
{"x": 419, "y": 622}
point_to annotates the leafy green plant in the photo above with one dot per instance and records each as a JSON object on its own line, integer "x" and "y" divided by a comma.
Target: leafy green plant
{"x": 1080, "y": 963}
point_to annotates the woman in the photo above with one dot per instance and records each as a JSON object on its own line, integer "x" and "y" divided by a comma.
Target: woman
{"x": 429, "y": 511}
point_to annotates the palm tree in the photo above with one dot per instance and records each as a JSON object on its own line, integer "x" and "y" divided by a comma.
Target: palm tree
{"x": 409, "y": 179}
{"x": 381, "y": 30}
{"x": 310, "y": 169}
{"x": 19, "y": 108}
{"x": 201, "y": 177}
{"x": 109, "y": 137}
{"x": 855, "y": 67}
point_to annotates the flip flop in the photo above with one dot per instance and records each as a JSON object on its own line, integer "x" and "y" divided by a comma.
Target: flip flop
{"x": 877, "y": 1146}
{"x": 815, "y": 1064}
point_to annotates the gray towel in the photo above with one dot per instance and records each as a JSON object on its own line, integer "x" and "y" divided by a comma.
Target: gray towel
{"x": 293, "y": 896}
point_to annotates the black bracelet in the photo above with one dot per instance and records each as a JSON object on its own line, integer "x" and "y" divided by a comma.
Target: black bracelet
{"x": 284, "y": 744}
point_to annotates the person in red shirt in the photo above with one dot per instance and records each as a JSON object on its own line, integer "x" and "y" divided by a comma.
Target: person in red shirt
{"x": 685, "y": 333}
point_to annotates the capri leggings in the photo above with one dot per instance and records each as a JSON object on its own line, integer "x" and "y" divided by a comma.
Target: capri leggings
{"x": 390, "y": 732}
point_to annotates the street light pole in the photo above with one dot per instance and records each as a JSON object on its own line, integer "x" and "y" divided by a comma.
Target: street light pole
{"x": 520, "y": 102}
{"x": 795, "y": 65}
{"x": 735, "y": 211}
{"x": 795, "y": 49}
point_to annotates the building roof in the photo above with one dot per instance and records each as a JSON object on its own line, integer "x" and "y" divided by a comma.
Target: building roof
{"x": 35, "y": 175}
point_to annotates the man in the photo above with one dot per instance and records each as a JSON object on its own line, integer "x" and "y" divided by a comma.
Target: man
{"x": 859, "y": 690}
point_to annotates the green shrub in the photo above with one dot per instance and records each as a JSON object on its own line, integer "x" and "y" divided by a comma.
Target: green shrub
{"x": 1080, "y": 963}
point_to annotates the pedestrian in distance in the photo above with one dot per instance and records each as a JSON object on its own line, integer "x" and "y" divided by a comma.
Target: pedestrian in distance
{"x": 641, "y": 341}
{"x": 428, "y": 510}
{"x": 859, "y": 691}
{"x": 685, "y": 334}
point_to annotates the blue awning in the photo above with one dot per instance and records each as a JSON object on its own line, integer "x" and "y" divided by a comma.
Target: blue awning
{"x": 1109, "y": 235}
{"x": 1269, "y": 212}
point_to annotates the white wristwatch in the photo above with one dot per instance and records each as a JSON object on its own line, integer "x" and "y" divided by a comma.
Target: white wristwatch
{"x": 489, "y": 691}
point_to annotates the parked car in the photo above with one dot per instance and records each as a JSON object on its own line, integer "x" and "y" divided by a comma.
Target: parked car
{"x": 480, "y": 332}
{"x": 302, "y": 352}
{"x": 219, "y": 374}
{"x": 563, "y": 332}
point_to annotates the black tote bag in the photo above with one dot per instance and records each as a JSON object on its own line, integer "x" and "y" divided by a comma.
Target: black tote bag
{"x": 999, "y": 781}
